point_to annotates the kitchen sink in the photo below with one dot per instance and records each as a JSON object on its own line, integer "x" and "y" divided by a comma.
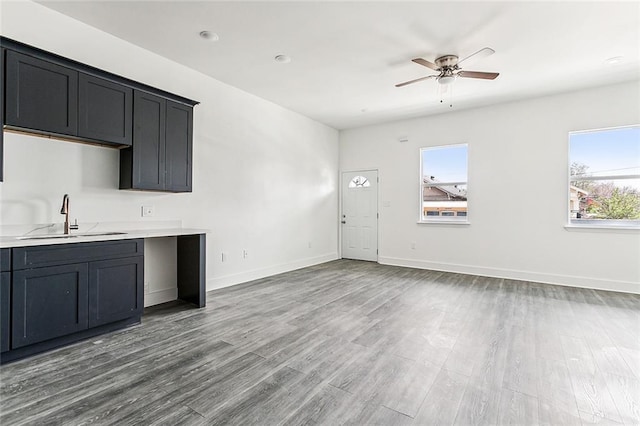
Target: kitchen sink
{"x": 57, "y": 236}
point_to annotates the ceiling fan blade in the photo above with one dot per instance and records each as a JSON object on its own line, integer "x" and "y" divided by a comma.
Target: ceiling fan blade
{"x": 426, "y": 63}
{"x": 478, "y": 74}
{"x": 487, "y": 51}
{"x": 415, "y": 81}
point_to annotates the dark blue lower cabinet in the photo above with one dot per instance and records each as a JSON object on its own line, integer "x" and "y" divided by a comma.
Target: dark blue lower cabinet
{"x": 59, "y": 294}
{"x": 5, "y": 311}
{"x": 116, "y": 290}
{"x": 48, "y": 303}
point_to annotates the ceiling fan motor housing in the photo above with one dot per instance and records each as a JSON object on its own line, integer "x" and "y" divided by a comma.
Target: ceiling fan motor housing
{"x": 447, "y": 61}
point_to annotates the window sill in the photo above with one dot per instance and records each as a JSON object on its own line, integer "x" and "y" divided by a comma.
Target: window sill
{"x": 604, "y": 228}
{"x": 443, "y": 222}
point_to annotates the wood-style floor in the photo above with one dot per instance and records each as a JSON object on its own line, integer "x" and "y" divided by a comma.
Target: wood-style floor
{"x": 354, "y": 343}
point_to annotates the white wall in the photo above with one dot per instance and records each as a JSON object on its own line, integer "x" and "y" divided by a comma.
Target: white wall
{"x": 264, "y": 178}
{"x": 518, "y": 154}
{"x": 160, "y": 270}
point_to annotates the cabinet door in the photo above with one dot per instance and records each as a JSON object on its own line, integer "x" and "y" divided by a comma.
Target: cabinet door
{"x": 48, "y": 302}
{"x": 40, "y": 95}
{"x": 105, "y": 110}
{"x": 5, "y": 313}
{"x": 116, "y": 290}
{"x": 149, "y": 113}
{"x": 179, "y": 144}
{"x": 5, "y": 299}
{"x": 2, "y": 54}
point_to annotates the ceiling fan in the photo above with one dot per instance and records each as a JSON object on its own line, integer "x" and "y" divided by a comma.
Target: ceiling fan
{"x": 449, "y": 68}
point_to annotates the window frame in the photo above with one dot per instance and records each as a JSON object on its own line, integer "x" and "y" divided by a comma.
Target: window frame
{"x": 604, "y": 224}
{"x": 439, "y": 219}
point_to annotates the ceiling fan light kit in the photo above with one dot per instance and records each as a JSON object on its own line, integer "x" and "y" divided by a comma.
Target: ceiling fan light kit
{"x": 446, "y": 79}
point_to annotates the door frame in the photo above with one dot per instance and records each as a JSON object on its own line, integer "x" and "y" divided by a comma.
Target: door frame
{"x": 340, "y": 236}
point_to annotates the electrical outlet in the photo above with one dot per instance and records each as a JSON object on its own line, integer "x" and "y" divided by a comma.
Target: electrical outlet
{"x": 245, "y": 254}
{"x": 147, "y": 211}
{"x": 146, "y": 287}
{"x": 223, "y": 257}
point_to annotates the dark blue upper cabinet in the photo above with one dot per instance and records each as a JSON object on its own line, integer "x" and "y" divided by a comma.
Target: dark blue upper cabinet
{"x": 48, "y": 94}
{"x": 2, "y": 55}
{"x": 105, "y": 110}
{"x": 40, "y": 95}
{"x": 48, "y": 98}
{"x": 160, "y": 159}
{"x": 149, "y": 137}
{"x": 179, "y": 145}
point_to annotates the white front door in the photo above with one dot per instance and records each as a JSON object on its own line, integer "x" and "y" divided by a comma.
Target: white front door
{"x": 360, "y": 215}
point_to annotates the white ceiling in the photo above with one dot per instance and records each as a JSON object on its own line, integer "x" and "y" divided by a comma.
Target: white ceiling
{"x": 347, "y": 56}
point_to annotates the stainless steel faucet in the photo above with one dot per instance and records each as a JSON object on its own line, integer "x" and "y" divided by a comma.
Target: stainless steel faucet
{"x": 65, "y": 211}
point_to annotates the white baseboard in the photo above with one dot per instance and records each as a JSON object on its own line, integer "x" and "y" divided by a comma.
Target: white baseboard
{"x": 566, "y": 280}
{"x": 232, "y": 279}
{"x": 160, "y": 296}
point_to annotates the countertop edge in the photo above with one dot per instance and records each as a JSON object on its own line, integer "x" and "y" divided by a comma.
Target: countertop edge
{"x": 13, "y": 241}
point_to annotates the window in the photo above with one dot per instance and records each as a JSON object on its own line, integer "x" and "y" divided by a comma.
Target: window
{"x": 359, "y": 182}
{"x": 443, "y": 183}
{"x": 604, "y": 183}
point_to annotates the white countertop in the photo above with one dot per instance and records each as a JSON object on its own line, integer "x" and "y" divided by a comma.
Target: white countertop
{"x": 9, "y": 241}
